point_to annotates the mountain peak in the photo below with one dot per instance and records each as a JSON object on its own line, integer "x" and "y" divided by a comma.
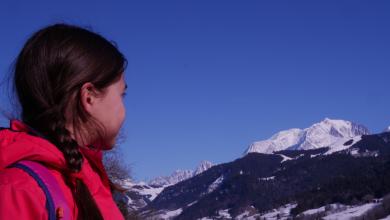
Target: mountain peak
{"x": 327, "y": 119}
{"x": 181, "y": 175}
{"x": 333, "y": 123}
{"x": 203, "y": 166}
{"x": 322, "y": 134}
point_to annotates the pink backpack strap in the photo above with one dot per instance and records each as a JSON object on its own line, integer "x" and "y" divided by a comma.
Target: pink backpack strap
{"x": 55, "y": 199}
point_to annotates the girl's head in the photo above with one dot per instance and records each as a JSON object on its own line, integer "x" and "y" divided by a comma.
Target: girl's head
{"x": 69, "y": 78}
{"x": 69, "y": 82}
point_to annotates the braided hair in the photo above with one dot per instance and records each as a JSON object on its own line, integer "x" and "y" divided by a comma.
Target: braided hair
{"x": 48, "y": 74}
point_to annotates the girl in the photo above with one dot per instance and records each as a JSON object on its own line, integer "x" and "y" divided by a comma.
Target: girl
{"x": 69, "y": 82}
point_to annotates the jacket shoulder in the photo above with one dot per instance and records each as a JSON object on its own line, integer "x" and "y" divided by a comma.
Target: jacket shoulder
{"x": 17, "y": 178}
{"x": 21, "y": 196}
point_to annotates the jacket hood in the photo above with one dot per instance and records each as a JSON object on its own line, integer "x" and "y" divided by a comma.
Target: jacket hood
{"x": 18, "y": 142}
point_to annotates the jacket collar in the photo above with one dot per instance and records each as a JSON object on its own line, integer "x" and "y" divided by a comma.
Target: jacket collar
{"x": 21, "y": 142}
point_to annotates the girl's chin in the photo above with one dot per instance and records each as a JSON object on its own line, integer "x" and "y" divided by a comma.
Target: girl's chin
{"x": 109, "y": 145}
{"x": 104, "y": 145}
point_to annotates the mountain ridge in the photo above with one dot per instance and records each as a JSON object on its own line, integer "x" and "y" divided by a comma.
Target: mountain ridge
{"x": 321, "y": 134}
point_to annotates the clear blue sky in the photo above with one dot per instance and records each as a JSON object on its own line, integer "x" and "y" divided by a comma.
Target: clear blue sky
{"x": 207, "y": 78}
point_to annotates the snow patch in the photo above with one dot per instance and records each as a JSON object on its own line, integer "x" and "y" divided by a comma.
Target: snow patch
{"x": 224, "y": 214}
{"x": 268, "y": 178}
{"x": 314, "y": 211}
{"x": 243, "y": 215}
{"x": 314, "y": 155}
{"x": 215, "y": 184}
{"x": 342, "y": 144}
{"x": 192, "y": 203}
{"x": 281, "y": 213}
{"x": 284, "y": 158}
{"x": 170, "y": 214}
{"x": 351, "y": 212}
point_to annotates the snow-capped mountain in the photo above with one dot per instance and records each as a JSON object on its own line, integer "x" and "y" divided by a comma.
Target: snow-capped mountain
{"x": 140, "y": 194}
{"x": 327, "y": 133}
{"x": 387, "y": 129}
{"x": 180, "y": 175}
{"x": 292, "y": 183}
{"x": 175, "y": 177}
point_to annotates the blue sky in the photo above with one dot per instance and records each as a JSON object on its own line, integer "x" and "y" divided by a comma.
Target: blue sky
{"x": 207, "y": 78}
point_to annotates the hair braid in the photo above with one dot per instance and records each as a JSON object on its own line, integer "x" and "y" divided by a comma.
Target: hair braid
{"x": 59, "y": 135}
{"x": 66, "y": 144}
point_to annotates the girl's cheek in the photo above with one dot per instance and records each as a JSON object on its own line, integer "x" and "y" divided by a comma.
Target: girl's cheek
{"x": 123, "y": 113}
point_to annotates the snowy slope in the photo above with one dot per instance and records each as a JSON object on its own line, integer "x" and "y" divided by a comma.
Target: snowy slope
{"x": 280, "y": 141}
{"x": 327, "y": 133}
{"x": 328, "y": 212}
{"x": 142, "y": 188}
{"x": 137, "y": 195}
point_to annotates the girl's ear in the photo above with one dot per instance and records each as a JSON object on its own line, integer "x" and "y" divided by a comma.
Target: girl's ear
{"x": 88, "y": 97}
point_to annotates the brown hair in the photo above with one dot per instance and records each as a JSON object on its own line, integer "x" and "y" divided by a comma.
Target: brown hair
{"x": 48, "y": 73}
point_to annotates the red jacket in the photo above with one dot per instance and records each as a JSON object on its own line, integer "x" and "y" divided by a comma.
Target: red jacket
{"x": 20, "y": 195}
